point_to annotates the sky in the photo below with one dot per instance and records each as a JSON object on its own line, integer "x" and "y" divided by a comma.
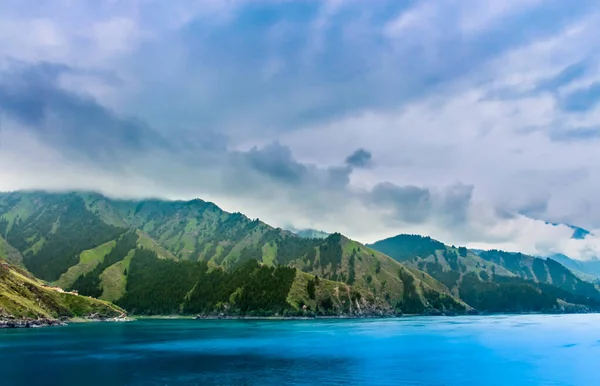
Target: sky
{"x": 476, "y": 123}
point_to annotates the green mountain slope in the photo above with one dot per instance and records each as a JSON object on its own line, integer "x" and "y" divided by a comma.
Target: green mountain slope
{"x": 51, "y": 231}
{"x": 154, "y": 256}
{"x": 338, "y": 258}
{"x": 157, "y": 286}
{"x": 495, "y": 281}
{"x": 104, "y": 264}
{"x": 23, "y": 296}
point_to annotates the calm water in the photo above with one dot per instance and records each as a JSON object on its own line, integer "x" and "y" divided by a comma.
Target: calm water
{"x": 491, "y": 350}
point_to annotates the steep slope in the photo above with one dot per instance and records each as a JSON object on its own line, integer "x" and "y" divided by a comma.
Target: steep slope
{"x": 409, "y": 291}
{"x": 23, "y": 296}
{"x": 199, "y": 230}
{"x": 157, "y": 286}
{"x": 50, "y": 230}
{"x": 494, "y": 281}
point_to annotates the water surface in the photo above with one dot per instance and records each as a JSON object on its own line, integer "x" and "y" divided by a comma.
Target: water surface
{"x": 488, "y": 350}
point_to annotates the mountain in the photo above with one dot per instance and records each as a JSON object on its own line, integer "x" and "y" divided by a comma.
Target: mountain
{"x": 586, "y": 269}
{"x": 191, "y": 257}
{"x": 163, "y": 257}
{"x": 24, "y": 296}
{"x": 495, "y": 281}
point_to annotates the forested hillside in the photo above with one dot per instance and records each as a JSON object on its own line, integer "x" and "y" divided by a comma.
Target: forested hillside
{"x": 191, "y": 257}
{"x": 157, "y": 256}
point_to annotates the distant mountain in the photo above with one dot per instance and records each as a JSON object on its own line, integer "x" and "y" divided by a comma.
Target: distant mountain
{"x": 495, "y": 281}
{"x": 158, "y": 257}
{"x": 586, "y": 269}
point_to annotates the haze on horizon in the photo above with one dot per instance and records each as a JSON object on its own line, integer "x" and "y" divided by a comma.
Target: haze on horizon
{"x": 473, "y": 123}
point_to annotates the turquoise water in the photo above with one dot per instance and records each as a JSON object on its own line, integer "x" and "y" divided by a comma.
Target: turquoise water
{"x": 489, "y": 350}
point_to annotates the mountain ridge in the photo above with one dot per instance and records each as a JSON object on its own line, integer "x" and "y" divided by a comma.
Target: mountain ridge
{"x": 156, "y": 256}
{"x": 194, "y": 233}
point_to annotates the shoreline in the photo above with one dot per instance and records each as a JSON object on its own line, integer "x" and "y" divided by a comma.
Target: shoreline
{"x": 325, "y": 317}
{"x": 13, "y": 322}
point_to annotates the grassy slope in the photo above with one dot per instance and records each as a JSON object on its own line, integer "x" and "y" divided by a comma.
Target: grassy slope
{"x": 88, "y": 260}
{"x": 22, "y": 210}
{"x": 343, "y": 296}
{"x": 145, "y": 241}
{"x": 114, "y": 281}
{"x": 196, "y": 229}
{"x": 24, "y": 296}
{"x": 12, "y": 255}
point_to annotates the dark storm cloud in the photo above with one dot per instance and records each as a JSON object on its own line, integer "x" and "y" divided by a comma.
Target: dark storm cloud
{"x": 456, "y": 203}
{"x": 277, "y": 162}
{"x": 417, "y": 205}
{"x": 410, "y": 203}
{"x": 361, "y": 158}
{"x": 77, "y": 124}
{"x": 32, "y": 95}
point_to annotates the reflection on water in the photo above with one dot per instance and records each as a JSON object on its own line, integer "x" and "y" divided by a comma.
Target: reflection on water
{"x": 491, "y": 350}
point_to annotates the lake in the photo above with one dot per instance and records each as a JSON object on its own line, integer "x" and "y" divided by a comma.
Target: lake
{"x": 482, "y": 350}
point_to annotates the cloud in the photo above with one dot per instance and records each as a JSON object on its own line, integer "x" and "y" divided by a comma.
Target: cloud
{"x": 277, "y": 162}
{"x": 361, "y": 158}
{"x": 410, "y": 203}
{"x": 583, "y": 99}
{"x": 483, "y": 120}
{"x": 74, "y": 123}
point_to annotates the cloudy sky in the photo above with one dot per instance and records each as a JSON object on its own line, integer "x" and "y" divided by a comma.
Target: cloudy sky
{"x": 473, "y": 122}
